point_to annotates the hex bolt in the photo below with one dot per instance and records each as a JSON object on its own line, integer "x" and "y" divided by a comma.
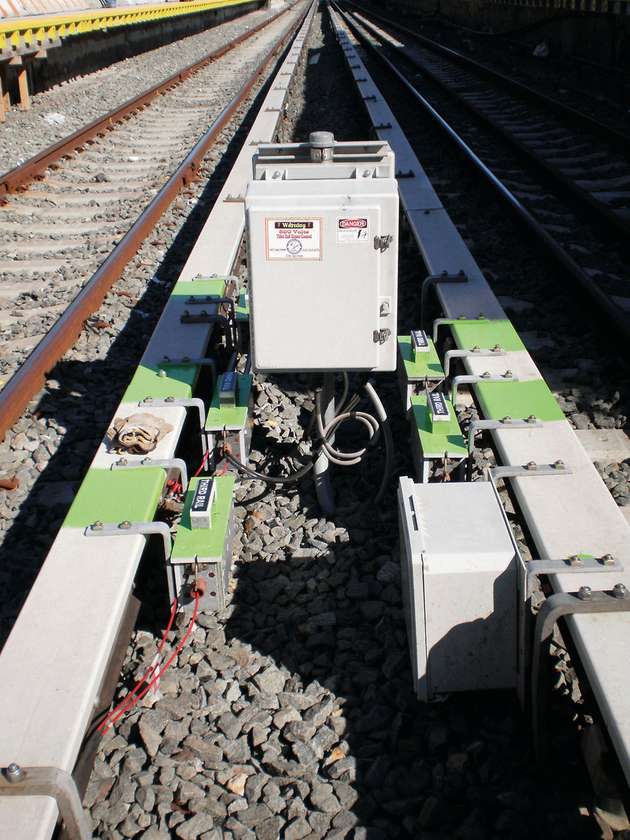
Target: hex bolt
{"x": 486, "y": 374}
{"x": 475, "y": 349}
{"x": 169, "y": 399}
{"x": 531, "y": 465}
{"x": 558, "y": 465}
{"x": 125, "y": 525}
{"x": 608, "y": 560}
{"x": 531, "y": 418}
{"x": 506, "y": 419}
{"x": 14, "y": 772}
{"x": 97, "y": 526}
{"x": 575, "y": 560}
{"x": 497, "y": 348}
{"x": 585, "y": 592}
{"x": 161, "y": 372}
{"x": 620, "y": 591}
{"x": 508, "y": 374}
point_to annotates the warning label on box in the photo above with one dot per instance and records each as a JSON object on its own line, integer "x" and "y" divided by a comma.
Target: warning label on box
{"x": 352, "y": 230}
{"x": 293, "y": 239}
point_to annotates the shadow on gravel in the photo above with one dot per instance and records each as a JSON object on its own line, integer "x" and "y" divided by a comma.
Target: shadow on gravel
{"x": 81, "y": 397}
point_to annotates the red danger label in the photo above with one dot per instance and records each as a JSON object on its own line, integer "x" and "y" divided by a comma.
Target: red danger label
{"x": 345, "y": 224}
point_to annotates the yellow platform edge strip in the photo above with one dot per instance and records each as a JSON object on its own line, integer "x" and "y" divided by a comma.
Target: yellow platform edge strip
{"x": 33, "y": 31}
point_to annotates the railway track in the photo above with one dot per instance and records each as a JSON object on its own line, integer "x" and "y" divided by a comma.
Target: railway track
{"x": 290, "y": 712}
{"x": 568, "y": 184}
{"x": 74, "y": 215}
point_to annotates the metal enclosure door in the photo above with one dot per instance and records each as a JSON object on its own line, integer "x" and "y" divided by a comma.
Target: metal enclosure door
{"x": 320, "y": 306}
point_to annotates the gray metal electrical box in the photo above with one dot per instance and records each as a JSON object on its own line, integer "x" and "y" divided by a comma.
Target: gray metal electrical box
{"x": 322, "y": 234}
{"x": 459, "y": 578}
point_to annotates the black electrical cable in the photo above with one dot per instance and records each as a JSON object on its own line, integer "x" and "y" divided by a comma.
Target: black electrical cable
{"x": 270, "y": 479}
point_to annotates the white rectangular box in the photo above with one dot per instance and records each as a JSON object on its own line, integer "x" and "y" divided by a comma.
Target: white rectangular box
{"x": 459, "y": 578}
{"x": 323, "y": 258}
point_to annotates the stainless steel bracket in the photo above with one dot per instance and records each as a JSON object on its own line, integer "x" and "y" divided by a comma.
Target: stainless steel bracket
{"x": 100, "y": 529}
{"x": 582, "y": 602}
{"x": 433, "y": 280}
{"x": 575, "y": 563}
{"x": 49, "y": 781}
{"x": 168, "y": 463}
{"x": 473, "y": 353}
{"x": 529, "y": 470}
{"x": 471, "y": 379}
{"x": 170, "y": 402}
{"x": 475, "y": 426}
{"x": 447, "y": 322}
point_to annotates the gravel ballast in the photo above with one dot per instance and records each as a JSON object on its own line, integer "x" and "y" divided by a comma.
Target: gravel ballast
{"x": 67, "y": 107}
{"x": 291, "y": 714}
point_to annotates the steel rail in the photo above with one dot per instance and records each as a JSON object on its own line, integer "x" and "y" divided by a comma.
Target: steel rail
{"x": 28, "y": 171}
{"x": 30, "y": 377}
{"x": 599, "y": 209}
{"x": 620, "y": 322}
{"x": 617, "y": 137}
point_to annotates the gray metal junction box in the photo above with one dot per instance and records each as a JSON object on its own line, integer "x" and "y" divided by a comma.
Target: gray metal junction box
{"x": 459, "y": 570}
{"x": 322, "y": 233}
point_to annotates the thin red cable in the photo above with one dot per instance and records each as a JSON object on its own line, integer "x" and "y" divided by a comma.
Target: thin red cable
{"x": 103, "y": 726}
{"x": 115, "y": 716}
{"x": 203, "y": 463}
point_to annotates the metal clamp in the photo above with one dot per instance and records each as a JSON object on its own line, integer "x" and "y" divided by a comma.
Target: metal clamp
{"x": 447, "y": 322}
{"x": 49, "y": 781}
{"x": 584, "y": 601}
{"x": 205, "y": 317}
{"x": 181, "y": 402}
{"x": 474, "y": 352}
{"x": 528, "y": 470}
{"x": 169, "y": 463}
{"x": 475, "y": 426}
{"x": 100, "y": 529}
{"x": 473, "y": 379}
{"x": 433, "y": 280}
{"x": 575, "y": 563}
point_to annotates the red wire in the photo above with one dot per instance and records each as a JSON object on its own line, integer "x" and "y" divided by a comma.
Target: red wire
{"x": 105, "y": 724}
{"x": 168, "y": 662}
{"x": 203, "y": 463}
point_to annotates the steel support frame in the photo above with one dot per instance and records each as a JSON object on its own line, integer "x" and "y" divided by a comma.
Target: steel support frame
{"x": 177, "y": 402}
{"x": 109, "y": 529}
{"x": 474, "y": 379}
